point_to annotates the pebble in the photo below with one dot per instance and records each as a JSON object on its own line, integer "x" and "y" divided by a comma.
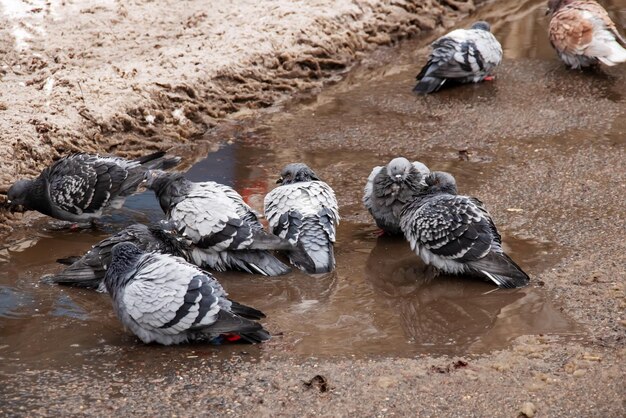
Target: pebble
{"x": 528, "y": 409}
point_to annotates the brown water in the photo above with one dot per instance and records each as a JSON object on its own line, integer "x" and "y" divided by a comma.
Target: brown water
{"x": 377, "y": 301}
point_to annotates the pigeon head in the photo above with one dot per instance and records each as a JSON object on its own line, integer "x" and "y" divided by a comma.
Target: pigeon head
{"x": 482, "y": 25}
{"x": 554, "y": 5}
{"x": 18, "y": 193}
{"x": 167, "y": 186}
{"x": 124, "y": 256}
{"x": 175, "y": 242}
{"x": 441, "y": 182}
{"x": 155, "y": 179}
{"x": 399, "y": 169}
{"x": 295, "y": 173}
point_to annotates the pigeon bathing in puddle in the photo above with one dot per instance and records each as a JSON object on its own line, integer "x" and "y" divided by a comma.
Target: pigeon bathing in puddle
{"x": 80, "y": 187}
{"x": 303, "y": 210}
{"x": 583, "y": 34}
{"x": 455, "y": 234}
{"x": 164, "y": 299}
{"x": 389, "y": 188}
{"x": 88, "y": 271}
{"x": 462, "y": 56}
{"x": 225, "y": 231}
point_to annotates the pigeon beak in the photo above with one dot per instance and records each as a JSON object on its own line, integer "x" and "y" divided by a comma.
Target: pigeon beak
{"x": 280, "y": 180}
{"x": 547, "y": 11}
{"x": 398, "y": 176}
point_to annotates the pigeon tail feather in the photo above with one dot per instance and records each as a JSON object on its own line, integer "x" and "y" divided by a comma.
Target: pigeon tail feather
{"x": 157, "y": 161}
{"x": 68, "y": 260}
{"x": 429, "y": 84}
{"x": 256, "y": 336}
{"x": 85, "y": 278}
{"x": 616, "y": 55}
{"x": 313, "y": 261}
{"x": 502, "y": 270}
{"x": 245, "y": 311}
{"x": 261, "y": 240}
{"x": 256, "y": 262}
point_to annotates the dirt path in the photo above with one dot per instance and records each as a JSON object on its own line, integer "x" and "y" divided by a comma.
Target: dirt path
{"x": 127, "y": 77}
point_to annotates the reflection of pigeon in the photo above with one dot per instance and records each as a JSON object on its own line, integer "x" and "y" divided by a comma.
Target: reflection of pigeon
{"x": 89, "y": 270}
{"x": 164, "y": 299}
{"x": 463, "y": 55}
{"x": 303, "y": 210}
{"x": 389, "y": 188}
{"x": 582, "y": 33}
{"x": 79, "y": 187}
{"x": 225, "y": 231}
{"x": 456, "y": 234}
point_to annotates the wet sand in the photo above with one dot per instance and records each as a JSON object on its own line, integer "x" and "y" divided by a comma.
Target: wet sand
{"x": 543, "y": 147}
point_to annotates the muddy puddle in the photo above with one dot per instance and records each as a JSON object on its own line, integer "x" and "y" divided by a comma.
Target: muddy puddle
{"x": 377, "y": 301}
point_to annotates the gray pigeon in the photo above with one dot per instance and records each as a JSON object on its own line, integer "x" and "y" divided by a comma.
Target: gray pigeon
{"x": 455, "y": 234}
{"x": 164, "y": 299}
{"x": 303, "y": 210}
{"x": 88, "y": 271}
{"x": 225, "y": 231}
{"x": 79, "y": 187}
{"x": 389, "y": 188}
{"x": 462, "y": 56}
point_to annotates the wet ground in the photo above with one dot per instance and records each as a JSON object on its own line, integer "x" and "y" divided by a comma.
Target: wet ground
{"x": 543, "y": 147}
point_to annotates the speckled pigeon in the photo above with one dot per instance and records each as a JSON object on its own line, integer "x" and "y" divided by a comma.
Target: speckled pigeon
{"x": 455, "y": 234}
{"x": 583, "y": 34}
{"x": 225, "y": 231}
{"x": 79, "y": 187}
{"x": 164, "y": 299}
{"x": 463, "y": 56}
{"x": 88, "y": 271}
{"x": 389, "y": 188}
{"x": 304, "y": 211}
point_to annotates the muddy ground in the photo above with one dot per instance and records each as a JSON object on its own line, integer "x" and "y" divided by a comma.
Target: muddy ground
{"x": 542, "y": 146}
{"x": 126, "y": 77}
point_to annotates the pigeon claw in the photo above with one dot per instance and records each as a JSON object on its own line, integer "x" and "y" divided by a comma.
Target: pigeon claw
{"x": 490, "y": 78}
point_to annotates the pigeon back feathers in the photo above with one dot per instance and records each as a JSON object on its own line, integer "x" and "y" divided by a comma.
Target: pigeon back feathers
{"x": 463, "y": 55}
{"x": 225, "y": 231}
{"x": 583, "y": 34}
{"x": 80, "y": 187}
{"x": 163, "y": 299}
{"x": 306, "y": 214}
{"x": 457, "y": 235}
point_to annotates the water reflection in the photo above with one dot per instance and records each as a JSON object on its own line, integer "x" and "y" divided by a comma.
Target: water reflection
{"x": 450, "y": 314}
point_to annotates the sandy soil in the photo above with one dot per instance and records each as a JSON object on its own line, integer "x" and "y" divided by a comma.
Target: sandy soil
{"x": 557, "y": 145}
{"x": 130, "y": 76}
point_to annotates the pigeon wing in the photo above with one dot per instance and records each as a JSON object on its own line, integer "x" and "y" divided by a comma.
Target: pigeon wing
{"x": 169, "y": 296}
{"x": 570, "y": 32}
{"x": 210, "y": 218}
{"x": 287, "y": 206}
{"x": 84, "y": 183}
{"x": 451, "y": 227}
{"x": 369, "y": 188}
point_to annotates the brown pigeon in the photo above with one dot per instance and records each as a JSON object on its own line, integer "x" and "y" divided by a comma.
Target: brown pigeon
{"x": 583, "y": 34}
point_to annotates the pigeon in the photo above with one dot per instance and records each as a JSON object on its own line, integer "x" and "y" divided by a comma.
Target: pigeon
{"x": 162, "y": 298}
{"x": 389, "y": 188}
{"x": 303, "y": 210}
{"x": 80, "y": 187}
{"x": 463, "y": 56}
{"x": 583, "y": 34}
{"x": 88, "y": 271}
{"x": 456, "y": 234}
{"x": 225, "y": 231}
